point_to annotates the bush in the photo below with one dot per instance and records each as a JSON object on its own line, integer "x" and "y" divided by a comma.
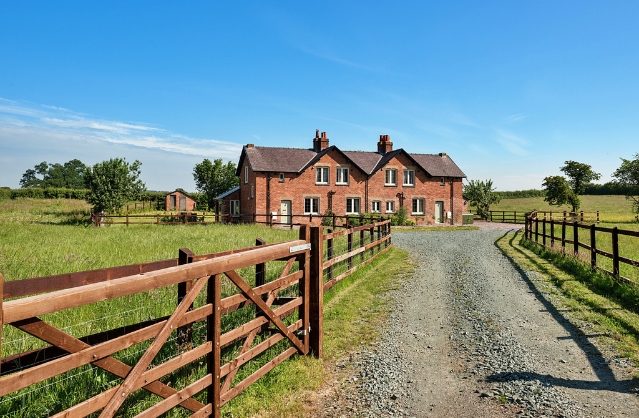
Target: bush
{"x": 401, "y": 218}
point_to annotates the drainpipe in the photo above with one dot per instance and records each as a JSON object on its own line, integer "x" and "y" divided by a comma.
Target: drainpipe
{"x": 269, "y": 218}
{"x": 366, "y": 195}
{"x": 452, "y": 203}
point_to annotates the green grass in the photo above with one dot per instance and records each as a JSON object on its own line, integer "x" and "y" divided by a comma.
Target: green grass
{"x": 45, "y": 237}
{"x": 613, "y": 208}
{"x": 611, "y": 307}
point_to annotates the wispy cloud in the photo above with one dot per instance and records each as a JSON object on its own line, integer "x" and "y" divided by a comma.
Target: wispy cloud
{"x": 511, "y": 142}
{"x": 516, "y": 117}
{"x": 19, "y": 120}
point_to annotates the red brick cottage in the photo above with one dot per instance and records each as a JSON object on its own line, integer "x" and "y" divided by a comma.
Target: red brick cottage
{"x": 276, "y": 183}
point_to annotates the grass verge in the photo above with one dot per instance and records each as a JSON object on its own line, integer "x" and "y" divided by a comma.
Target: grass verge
{"x": 353, "y": 310}
{"x": 610, "y": 307}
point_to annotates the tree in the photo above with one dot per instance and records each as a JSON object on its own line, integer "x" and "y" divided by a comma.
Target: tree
{"x": 214, "y": 178}
{"x": 579, "y": 175}
{"x": 481, "y": 195}
{"x": 559, "y": 192}
{"x": 627, "y": 175}
{"x": 113, "y": 183}
{"x": 69, "y": 175}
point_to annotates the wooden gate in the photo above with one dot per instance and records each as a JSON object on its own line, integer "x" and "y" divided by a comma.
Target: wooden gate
{"x": 279, "y": 321}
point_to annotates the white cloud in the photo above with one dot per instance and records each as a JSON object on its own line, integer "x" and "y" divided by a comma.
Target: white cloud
{"x": 516, "y": 117}
{"x": 512, "y": 143}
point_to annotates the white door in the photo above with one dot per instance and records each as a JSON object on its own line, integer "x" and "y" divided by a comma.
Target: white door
{"x": 285, "y": 212}
{"x": 439, "y": 212}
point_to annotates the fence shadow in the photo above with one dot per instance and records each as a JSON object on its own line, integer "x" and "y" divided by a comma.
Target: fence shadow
{"x": 603, "y": 371}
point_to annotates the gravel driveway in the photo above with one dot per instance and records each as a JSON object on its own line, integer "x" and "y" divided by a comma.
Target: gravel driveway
{"x": 474, "y": 337}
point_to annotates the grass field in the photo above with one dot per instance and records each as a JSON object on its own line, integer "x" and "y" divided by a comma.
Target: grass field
{"x": 45, "y": 237}
{"x": 613, "y": 209}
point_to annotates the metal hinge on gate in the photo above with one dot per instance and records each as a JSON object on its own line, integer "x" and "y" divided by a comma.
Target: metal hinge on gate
{"x": 303, "y": 331}
{"x": 300, "y": 248}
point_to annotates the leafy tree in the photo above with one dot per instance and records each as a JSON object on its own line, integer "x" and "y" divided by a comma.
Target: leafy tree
{"x": 481, "y": 195}
{"x": 627, "y": 175}
{"x": 214, "y": 178}
{"x": 559, "y": 192}
{"x": 579, "y": 175}
{"x": 113, "y": 183}
{"x": 69, "y": 175}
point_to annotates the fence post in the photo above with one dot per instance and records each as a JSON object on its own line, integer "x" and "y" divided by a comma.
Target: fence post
{"x": 543, "y": 232}
{"x": 564, "y": 215}
{"x": 157, "y": 219}
{"x": 593, "y": 248}
{"x": 127, "y": 218}
{"x": 305, "y": 286}
{"x": 615, "y": 251}
{"x": 575, "y": 235}
{"x": 213, "y": 331}
{"x": 503, "y": 216}
{"x": 371, "y": 232}
{"x": 329, "y": 254}
{"x": 349, "y": 238}
{"x": 379, "y": 236}
{"x": 185, "y": 333}
{"x": 582, "y": 217}
{"x": 552, "y": 233}
{"x": 361, "y": 244}
{"x": 537, "y": 230}
{"x": 1, "y": 317}
{"x": 563, "y": 235}
{"x": 260, "y": 279}
{"x": 316, "y": 292}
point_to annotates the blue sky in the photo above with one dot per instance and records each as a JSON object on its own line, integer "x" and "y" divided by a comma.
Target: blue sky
{"x": 509, "y": 89}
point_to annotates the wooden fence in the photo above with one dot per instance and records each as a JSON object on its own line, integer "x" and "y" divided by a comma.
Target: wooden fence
{"x": 597, "y": 241}
{"x": 275, "y": 289}
{"x": 519, "y": 217}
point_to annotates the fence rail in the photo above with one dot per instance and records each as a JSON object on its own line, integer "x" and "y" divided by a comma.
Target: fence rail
{"x": 519, "y": 217}
{"x": 597, "y": 241}
{"x": 278, "y": 300}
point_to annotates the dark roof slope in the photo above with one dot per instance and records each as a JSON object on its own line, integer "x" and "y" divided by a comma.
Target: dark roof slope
{"x": 438, "y": 165}
{"x": 285, "y": 160}
{"x": 366, "y": 161}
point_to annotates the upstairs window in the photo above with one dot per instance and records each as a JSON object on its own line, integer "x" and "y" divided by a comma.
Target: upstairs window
{"x": 311, "y": 205}
{"x": 352, "y": 205}
{"x": 409, "y": 177}
{"x": 281, "y": 177}
{"x": 390, "y": 206}
{"x": 391, "y": 177}
{"x": 443, "y": 181}
{"x": 342, "y": 175}
{"x": 376, "y": 206}
{"x": 321, "y": 175}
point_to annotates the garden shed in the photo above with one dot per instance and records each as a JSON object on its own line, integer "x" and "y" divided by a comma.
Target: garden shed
{"x": 179, "y": 200}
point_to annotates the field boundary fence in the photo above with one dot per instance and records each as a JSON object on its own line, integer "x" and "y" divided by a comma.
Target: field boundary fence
{"x": 260, "y": 304}
{"x": 604, "y": 247}
{"x": 519, "y": 217}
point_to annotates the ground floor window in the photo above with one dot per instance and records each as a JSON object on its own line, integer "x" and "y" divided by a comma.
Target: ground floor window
{"x": 352, "y": 205}
{"x": 235, "y": 207}
{"x": 311, "y": 205}
{"x": 418, "y": 206}
{"x": 376, "y": 206}
{"x": 390, "y": 206}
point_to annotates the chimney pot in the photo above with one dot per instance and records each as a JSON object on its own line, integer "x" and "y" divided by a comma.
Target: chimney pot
{"x": 442, "y": 154}
{"x": 316, "y": 133}
{"x": 320, "y": 142}
{"x": 250, "y": 146}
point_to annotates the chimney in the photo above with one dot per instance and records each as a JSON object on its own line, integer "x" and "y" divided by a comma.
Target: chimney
{"x": 384, "y": 145}
{"x": 320, "y": 142}
{"x": 250, "y": 146}
{"x": 442, "y": 154}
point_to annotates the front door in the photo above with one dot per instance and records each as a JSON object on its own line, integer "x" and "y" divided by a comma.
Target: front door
{"x": 171, "y": 202}
{"x": 439, "y": 212}
{"x": 182, "y": 202}
{"x": 285, "y": 212}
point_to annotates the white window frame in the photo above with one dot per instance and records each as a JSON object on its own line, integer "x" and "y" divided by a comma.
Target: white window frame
{"x": 321, "y": 175}
{"x": 390, "y": 203}
{"x": 235, "y": 208}
{"x": 419, "y": 208}
{"x": 350, "y": 205}
{"x": 246, "y": 174}
{"x": 409, "y": 177}
{"x": 252, "y": 191}
{"x": 313, "y": 205}
{"x": 342, "y": 175}
{"x": 376, "y": 206}
{"x": 281, "y": 177}
{"x": 394, "y": 179}
{"x": 443, "y": 181}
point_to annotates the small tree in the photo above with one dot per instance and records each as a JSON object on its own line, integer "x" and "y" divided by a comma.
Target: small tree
{"x": 559, "y": 192}
{"x": 627, "y": 175}
{"x": 579, "y": 175}
{"x": 113, "y": 183}
{"x": 481, "y": 195}
{"x": 69, "y": 175}
{"x": 214, "y": 178}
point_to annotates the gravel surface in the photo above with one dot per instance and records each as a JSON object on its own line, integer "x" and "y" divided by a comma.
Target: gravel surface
{"x": 471, "y": 336}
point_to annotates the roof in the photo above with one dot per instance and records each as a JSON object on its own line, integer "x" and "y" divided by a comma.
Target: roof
{"x": 296, "y": 160}
{"x": 228, "y": 193}
{"x": 180, "y": 191}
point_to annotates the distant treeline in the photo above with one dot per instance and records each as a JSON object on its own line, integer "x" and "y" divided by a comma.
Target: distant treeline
{"x": 80, "y": 194}
{"x": 609, "y": 188}
{"x": 521, "y": 193}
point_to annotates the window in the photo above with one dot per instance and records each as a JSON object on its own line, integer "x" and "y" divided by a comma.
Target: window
{"x": 418, "y": 206}
{"x": 409, "y": 177}
{"x": 311, "y": 205}
{"x": 391, "y": 177}
{"x": 376, "y": 206}
{"x": 352, "y": 205}
{"x": 252, "y": 191}
{"x": 390, "y": 206}
{"x": 342, "y": 175}
{"x": 442, "y": 182}
{"x": 281, "y": 177}
{"x": 246, "y": 174}
{"x": 235, "y": 207}
{"x": 321, "y": 175}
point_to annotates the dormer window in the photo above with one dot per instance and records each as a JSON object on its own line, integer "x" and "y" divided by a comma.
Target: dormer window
{"x": 321, "y": 175}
